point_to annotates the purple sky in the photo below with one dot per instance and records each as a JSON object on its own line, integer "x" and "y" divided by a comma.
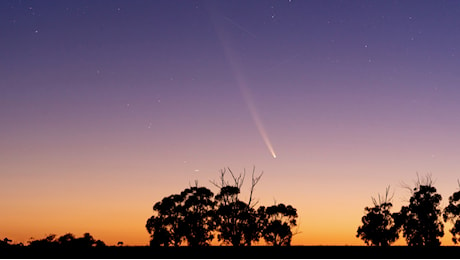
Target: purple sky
{"x": 112, "y": 105}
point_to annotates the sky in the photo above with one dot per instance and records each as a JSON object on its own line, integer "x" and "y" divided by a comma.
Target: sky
{"x": 106, "y": 107}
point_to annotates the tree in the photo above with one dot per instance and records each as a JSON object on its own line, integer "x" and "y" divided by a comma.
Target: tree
{"x": 420, "y": 220}
{"x": 165, "y": 225}
{"x": 99, "y": 243}
{"x": 86, "y": 241}
{"x": 278, "y": 222}
{"x": 198, "y": 211}
{"x": 379, "y": 227}
{"x": 237, "y": 222}
{"x": 67, "y": 241}
{"x": 452, "y": 213}
{"x": 47, "y": 242}
{"x": 196, "y": 215}
{"x": 187, "y": 216}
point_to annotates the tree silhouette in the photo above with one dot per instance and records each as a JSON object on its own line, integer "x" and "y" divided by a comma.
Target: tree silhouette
{"x": 278, "y": 222}
{"x": 85, "y": 241}
{"x": 47, "y": 242}
{"x": 198, "y": 211}
{"x": 196, "y": 215}
{"x": 165, "y": 225}
{"x": 379, "y": 227}
{"x": 229, "y": 218}
{"x": 452, "y": 213}
{"x": 5, "y": 242}
{"x": 236, "y": 221}
{"x": 99, "y": 243}
{"x": 187, "y": 216}
{"x": 420, "y": 220}
{"x": 67, "y": 241}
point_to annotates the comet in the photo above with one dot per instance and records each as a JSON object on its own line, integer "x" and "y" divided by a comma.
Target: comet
{"x": 255, "y": 115}
{"x": 242, "y": 83}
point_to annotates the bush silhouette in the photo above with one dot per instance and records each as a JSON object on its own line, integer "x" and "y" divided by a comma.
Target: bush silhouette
{"x": 66, "y": 241}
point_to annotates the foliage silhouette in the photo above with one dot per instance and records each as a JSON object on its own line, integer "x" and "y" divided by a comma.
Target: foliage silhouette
{"x": 278, "y": 222}
{"x": 198, "y": 211}
{"x": 68, "y": 241}
{"x": 420, "y": 220}
{"x": 196, "y": 216}
{"x": 164, "y": 225}
{"x": 5, "y": 243}
{"x": 379, "y": 227}
{"x": 452, "y": 213}
{"x": 237, "y": 222}
{"x": 46, "y": 243}
{"x": 187, "y": 216}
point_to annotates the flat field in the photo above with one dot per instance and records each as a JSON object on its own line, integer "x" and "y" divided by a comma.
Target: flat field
{"x": 225, "y": 252}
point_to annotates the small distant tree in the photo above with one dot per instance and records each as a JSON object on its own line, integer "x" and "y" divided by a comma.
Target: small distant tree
{"x": 99, "y": 243}
{"x": 278, "y": 223}
{"x": 86, "y": 241}
{"x": 421, "y": 219}
{"x": 452, "y": 213}
{"x": 378, "y": 224}
{"x": 47, "y": 242}
{"x": 5, "y": 242}
{"x": 66, "y": 240}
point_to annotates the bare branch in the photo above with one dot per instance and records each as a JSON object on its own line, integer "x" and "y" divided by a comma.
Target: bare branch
{"x": 254, "y": 181}
{"x": 222, "y": 180}
{"x": 238, "y": 180}
{"x": 383, "y": 199}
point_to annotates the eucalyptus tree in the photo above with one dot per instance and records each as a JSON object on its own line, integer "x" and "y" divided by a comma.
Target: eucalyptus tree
{"x": 421, "y": 219}
{"x": 198, "y": 210}
{"x": 185, "y": 217}
{"x": 378, "y": 224}
{"x": 278, "y": 222}
{"x": 165, "y": 226}
{"x": 452, "y": 213}
{"x": 237, "y": 222}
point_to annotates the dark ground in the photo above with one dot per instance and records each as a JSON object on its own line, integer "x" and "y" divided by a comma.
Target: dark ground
{"x": 260, "y": 252}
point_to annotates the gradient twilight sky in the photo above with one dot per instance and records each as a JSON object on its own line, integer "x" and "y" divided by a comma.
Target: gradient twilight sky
{"x": 106, "y": 107}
